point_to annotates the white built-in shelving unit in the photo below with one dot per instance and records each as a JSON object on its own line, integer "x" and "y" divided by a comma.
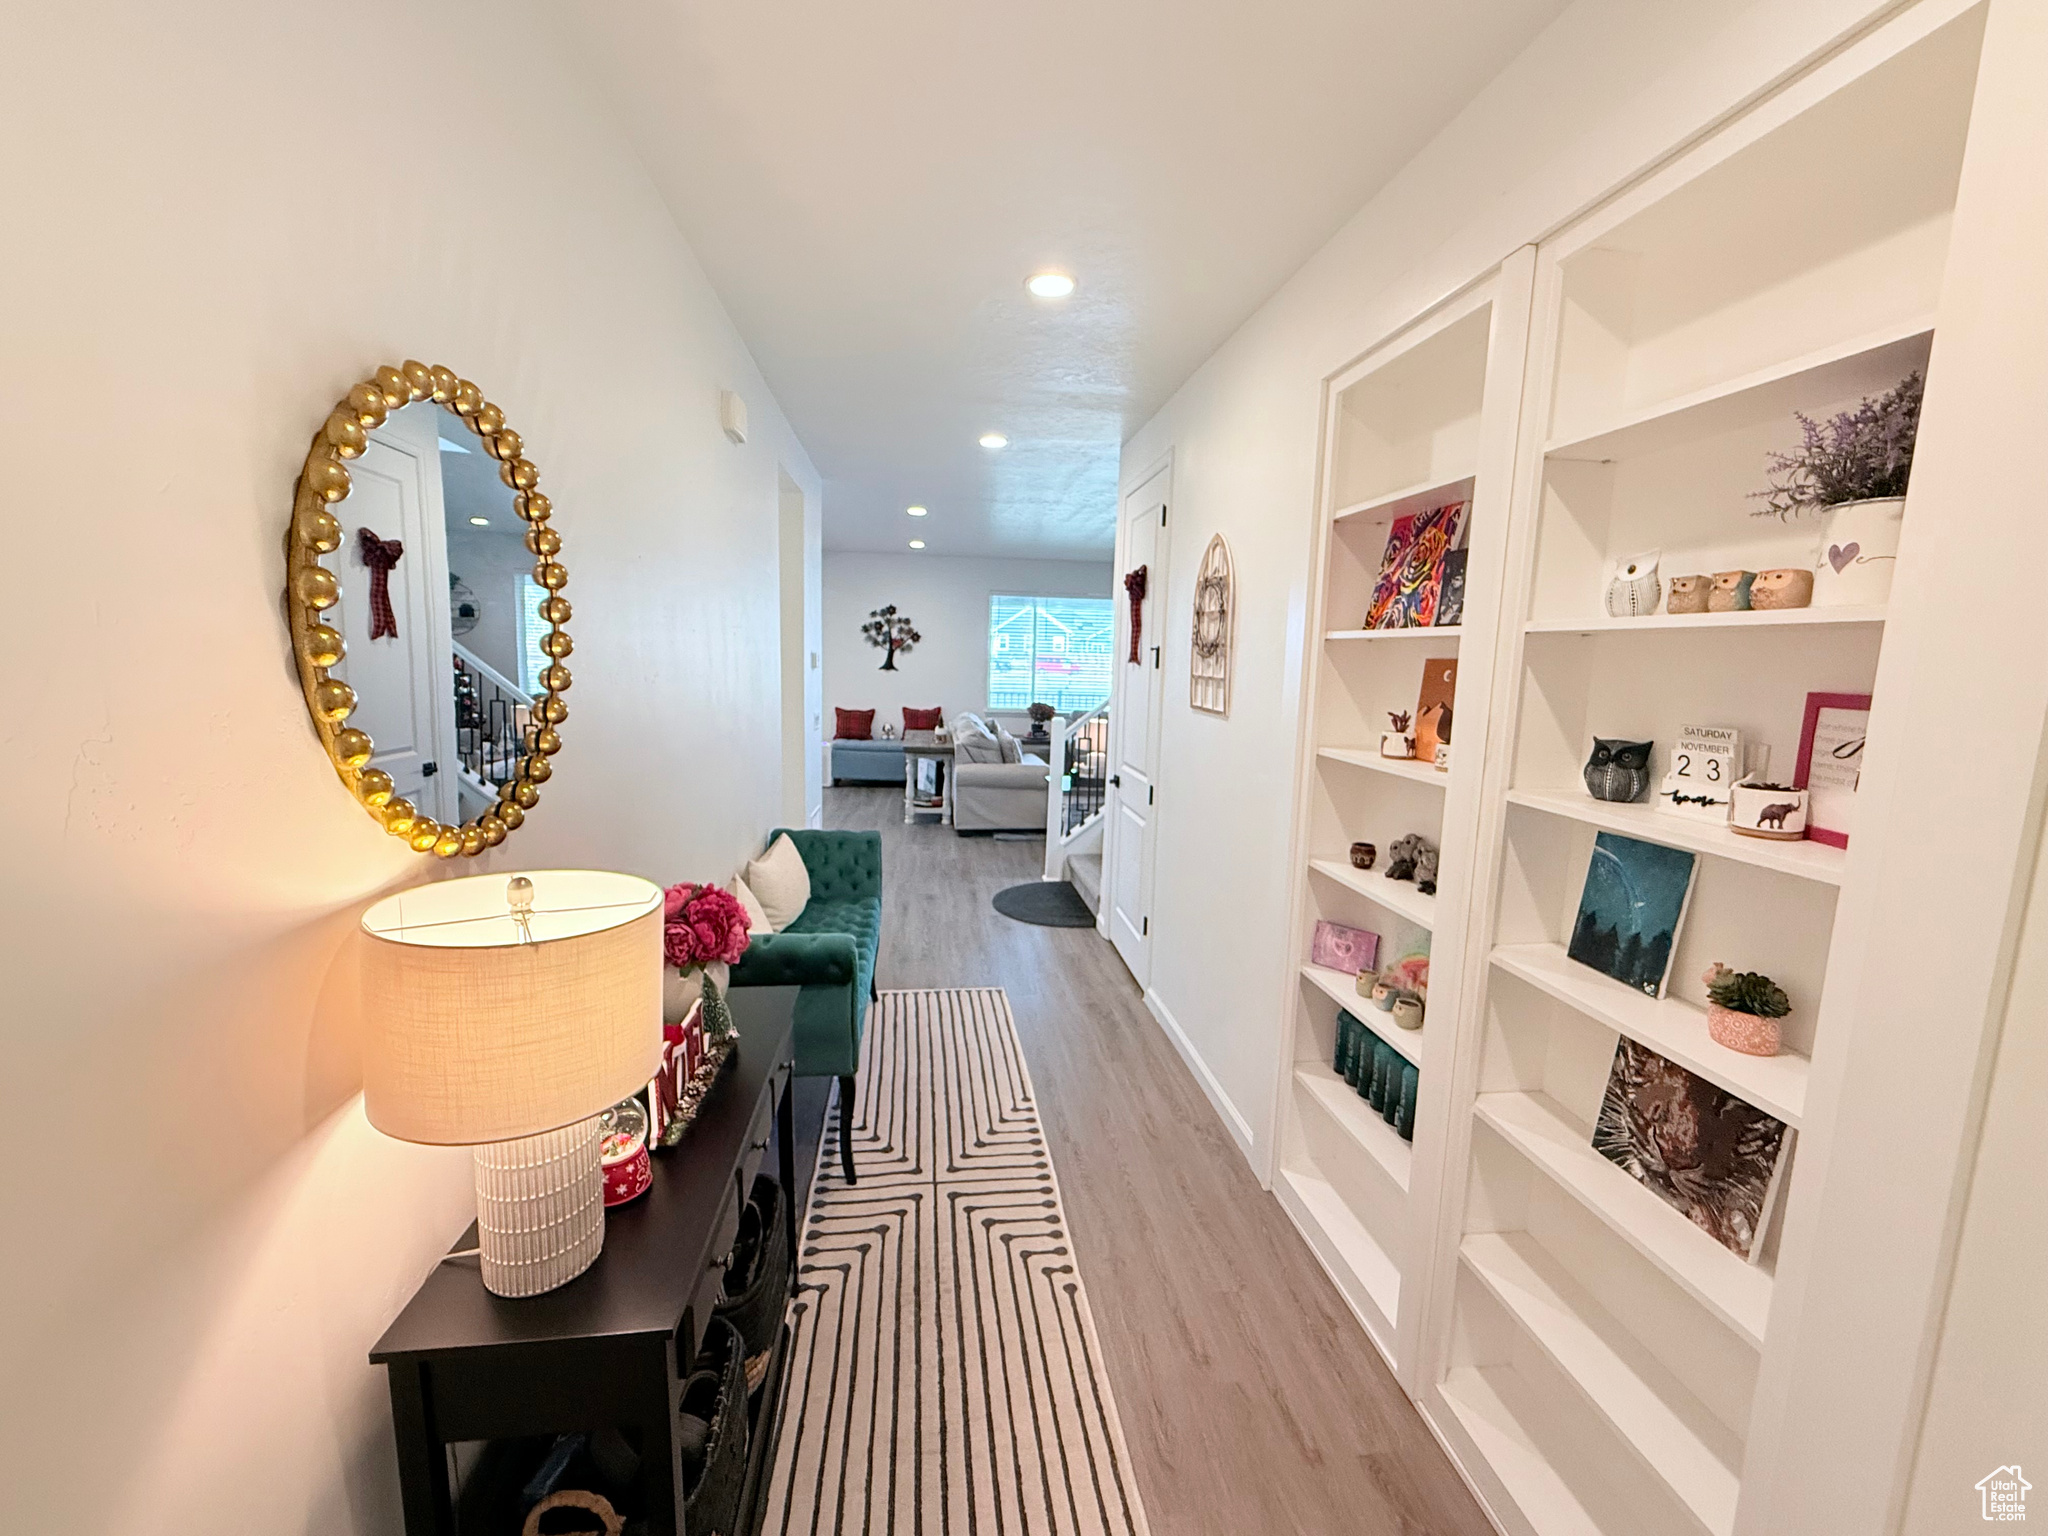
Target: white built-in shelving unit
{"x": 1588, "y": 1356}
{"x": 1421, "y": 422}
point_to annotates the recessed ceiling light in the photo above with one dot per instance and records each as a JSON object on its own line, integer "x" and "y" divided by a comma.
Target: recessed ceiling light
{"x": 1050, "y": 285}
{"x": 994, "y": 440}
{"x": 479, "y": 522}
{"x": 916, "y": 511}
{"x": 917, "y": 543}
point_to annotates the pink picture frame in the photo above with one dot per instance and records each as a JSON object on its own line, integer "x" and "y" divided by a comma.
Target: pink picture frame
{"x": 1834, "y": 726}
{"x": 1349, "y": 950}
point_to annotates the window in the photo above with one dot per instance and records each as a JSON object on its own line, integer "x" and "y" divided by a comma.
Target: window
{"x": 532, "y": 662}
{"x": 1050, "y": 650}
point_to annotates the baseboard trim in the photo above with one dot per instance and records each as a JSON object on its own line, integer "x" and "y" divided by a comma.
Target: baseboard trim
{"x": 1240, "y": 1129}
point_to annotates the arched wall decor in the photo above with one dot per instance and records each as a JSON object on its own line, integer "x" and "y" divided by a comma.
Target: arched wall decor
{"x": 1215, "y": 619}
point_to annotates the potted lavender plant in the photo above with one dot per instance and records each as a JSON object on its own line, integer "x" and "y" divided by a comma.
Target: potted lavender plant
{"x": 1852, "y": 468}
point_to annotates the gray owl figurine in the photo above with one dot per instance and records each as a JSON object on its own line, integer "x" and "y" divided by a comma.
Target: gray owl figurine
{"x": 1618, "y": 770}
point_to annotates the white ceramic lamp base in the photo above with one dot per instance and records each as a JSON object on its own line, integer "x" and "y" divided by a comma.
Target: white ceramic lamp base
{"x": 539, "y": 1209}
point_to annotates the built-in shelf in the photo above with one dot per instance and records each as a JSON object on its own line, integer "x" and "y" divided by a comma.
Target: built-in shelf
{"x": 1766, "y": 618}
{"x": 1369, "y": 758}
{"x": 1801, "y": 857}
{"x": 1767, "y": 393}
{"x": 1343, "y": 991}
{"x": 1492, "y": 1405}
{"x": 1537, "y": 1126}
{"x": 1397, "y": 896}
{"x": 1366, "y": 1276}
{"x": 1359, "y": 1120}
{"x": 1414, "y": 498}
{"x": 1697, "y": 1456}
{"x": 1409, "y": 632}
{"x": 1675, "y": 1030}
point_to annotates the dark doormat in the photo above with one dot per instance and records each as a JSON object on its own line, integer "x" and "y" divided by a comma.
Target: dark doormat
{"x": 1048, "y": 903}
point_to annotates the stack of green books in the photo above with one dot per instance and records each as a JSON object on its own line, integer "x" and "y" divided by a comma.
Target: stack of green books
{"x": 1381, "y": 1075}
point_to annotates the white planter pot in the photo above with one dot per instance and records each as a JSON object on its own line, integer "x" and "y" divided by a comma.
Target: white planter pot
{"x": 679, "y": 993}
{"x": 1859, "y": 546}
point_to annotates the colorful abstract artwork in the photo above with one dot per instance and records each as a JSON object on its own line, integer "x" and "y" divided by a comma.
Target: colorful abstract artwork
{"x": 1412, "y": 569}
{"x": 1709, "y": 1155}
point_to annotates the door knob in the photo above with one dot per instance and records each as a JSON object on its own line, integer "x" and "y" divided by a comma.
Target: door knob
{"x": 428, "y": 770}
{"x": 1116, "y": 781}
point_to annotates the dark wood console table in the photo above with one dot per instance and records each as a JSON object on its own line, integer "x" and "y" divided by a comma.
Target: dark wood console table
{"x": 612, "y": 1347}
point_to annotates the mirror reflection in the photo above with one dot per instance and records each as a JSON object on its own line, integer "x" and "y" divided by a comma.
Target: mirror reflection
{"x": 441, "y": 613}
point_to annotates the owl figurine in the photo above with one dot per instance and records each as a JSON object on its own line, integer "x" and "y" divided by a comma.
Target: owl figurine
{"x": 1730, "y": 592}
{"x": 1783, "y": 588}
{"x": 1618, "y": 770}
{"x": 1686, "y": 594}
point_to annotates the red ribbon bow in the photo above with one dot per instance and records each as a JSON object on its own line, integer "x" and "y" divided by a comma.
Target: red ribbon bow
{"x": 1134, "y": 583}
{"x": 380, "y": 556}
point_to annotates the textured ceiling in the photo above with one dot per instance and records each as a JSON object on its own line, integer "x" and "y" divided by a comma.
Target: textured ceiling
{"x": 869, "y": 185}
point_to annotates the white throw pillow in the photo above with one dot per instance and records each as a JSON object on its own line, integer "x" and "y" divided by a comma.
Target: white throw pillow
{"x": 780, "y": 883}
{"x": 1012, "y": 753}
{"x": 757, "y": 916}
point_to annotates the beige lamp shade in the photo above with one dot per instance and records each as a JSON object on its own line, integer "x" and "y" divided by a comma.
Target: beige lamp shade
{"x": 481, "y": 1028}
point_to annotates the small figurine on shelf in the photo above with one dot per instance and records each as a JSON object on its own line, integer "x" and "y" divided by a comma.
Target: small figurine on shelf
{"x": 1618, "y": 770}
{"x": 1397, "y": 742}
{"x": 1686, "y": 594}
{"x": 1743, "y": 1009}
{"x": 1425, "y": 870}
{"x": 1404, "y": 857}
{"x": 1363, "y": 855}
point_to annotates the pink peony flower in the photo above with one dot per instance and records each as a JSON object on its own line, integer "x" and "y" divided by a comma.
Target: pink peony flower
{"x": 702, "y": 924}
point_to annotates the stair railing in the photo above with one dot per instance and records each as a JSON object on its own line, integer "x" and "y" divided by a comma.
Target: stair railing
{"x": 1076, "y": 786}
{"x": 493, "y": 720}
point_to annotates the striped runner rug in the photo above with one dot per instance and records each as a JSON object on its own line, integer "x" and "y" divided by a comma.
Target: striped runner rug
{"x": 945, "y": 1374}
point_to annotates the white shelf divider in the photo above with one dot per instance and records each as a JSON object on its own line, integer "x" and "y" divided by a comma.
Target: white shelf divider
{"x": 1369, "y": 1280}
{"x": 1805, "y": 859}
{"x": 1397, "y": 896}
{"x": 1343, "y": 991}
{"x": 1537, "y": 1126}
{"x": 1370, "y": 759}
{"x": 1411, "y": 632}
{"x": 1697, "y": 1456}
{"x": 1771, "y": 391}
{"x": 1765, "y": 618}
{"x": 1491, "y": 1404}
{"x": 1674, "y": 1030}
{"x": 1411, "y": 498}
{"x": 1359, "y": 1120}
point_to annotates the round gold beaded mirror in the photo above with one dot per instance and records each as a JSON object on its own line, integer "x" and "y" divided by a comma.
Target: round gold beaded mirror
{"x": 425, "y": 590}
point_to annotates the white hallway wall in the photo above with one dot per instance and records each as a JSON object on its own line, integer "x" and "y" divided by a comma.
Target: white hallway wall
{"x": 1610, "y": 87}
{"x": 237, "y": 209}
{"x": 948, "y": 597}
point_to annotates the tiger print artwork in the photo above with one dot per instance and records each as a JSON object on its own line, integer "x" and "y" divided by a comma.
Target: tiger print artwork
{"x": 1711, "y": 1156}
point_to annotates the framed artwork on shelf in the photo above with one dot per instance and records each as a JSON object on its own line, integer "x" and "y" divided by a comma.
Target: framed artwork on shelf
{"x": 1342, "y": 948}
{"x": 1631, "y": 909}
{"x": 1831, "y": 762}
{"x": 1712, "y": 1157}
{"x": 1412, "y": 568}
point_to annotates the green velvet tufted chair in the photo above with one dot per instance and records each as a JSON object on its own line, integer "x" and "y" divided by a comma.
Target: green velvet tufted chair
{"x": 829, "y": 952}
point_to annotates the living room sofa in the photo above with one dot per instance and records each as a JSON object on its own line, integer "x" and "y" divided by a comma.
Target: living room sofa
{"x": 867, "y": 762}
{"x": 828, "y": 950}
{"x": 989, "y": 794}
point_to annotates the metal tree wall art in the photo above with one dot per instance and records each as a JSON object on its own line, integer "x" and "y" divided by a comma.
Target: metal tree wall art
{"x": 1209, "y": 660}
{"x": 889, "y": 632}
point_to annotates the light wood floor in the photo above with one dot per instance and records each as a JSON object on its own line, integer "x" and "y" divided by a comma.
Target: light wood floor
{"x": 1251, "y": 1399}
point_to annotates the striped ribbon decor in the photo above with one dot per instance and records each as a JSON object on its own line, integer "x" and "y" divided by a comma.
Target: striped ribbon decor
{"x": 945, "y": 1373}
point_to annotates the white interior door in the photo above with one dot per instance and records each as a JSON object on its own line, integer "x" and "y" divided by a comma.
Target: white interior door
{"x": 403, "y": 702}
{"x": 1135, "y": 718}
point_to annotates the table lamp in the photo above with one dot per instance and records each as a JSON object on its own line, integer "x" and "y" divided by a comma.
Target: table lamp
{"x": 507, "y": 1014}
